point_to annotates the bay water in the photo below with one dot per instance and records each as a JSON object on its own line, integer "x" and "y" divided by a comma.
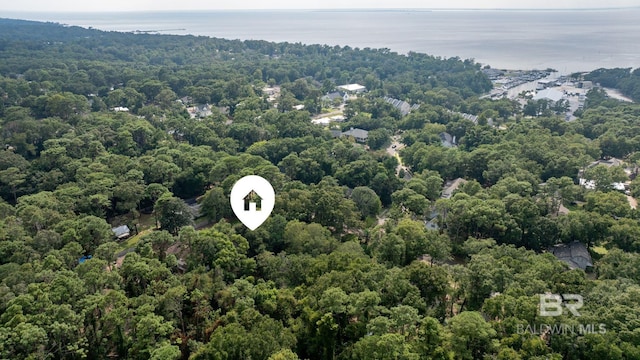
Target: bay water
{"x": 568, "y": 40}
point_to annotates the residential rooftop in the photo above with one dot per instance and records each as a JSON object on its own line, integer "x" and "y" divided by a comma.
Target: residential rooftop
{"x": 352, "y": 87}
{"x": 574, "y": 254}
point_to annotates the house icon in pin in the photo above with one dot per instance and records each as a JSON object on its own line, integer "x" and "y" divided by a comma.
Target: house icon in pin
{"x": 252, "y": 201}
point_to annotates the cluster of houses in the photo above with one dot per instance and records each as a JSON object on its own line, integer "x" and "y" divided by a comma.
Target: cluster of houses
{"x": 631, "y": 171}
{"x": 341, "y": 95}
{"x": 200, "y": 111}
{"x": 575, "y": 254}
{"x": 196, "y": 111}
{"x": 404, "y": 107}
{"x": 272, "y": 92}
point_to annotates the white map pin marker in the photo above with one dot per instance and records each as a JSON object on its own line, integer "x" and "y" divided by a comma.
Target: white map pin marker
{"x": 252, "y": 200}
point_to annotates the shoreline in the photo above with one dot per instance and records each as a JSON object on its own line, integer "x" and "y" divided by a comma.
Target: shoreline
{"x": 616, "y": 94}
{"x": 443, "y": 34}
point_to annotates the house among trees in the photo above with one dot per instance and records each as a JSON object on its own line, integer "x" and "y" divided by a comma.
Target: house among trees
{"x": 574, "y": 254}
{"x": 186, "y": 100}
{"x": 447, "y": 140}
{"x": 353, "y": 88}
{"x": 432, "y": 219}
{"x": 404, "y": 107}
{"x": 451, "y": 186}
{"x": 603, "y": 172}
{"x": 182, "y": 266}
{"x": 121, "y": 232}
{"x": 321, "y": 121}
{"x": 328, "y": 120}
{"x": 200, "y": 111}
{"x": 333, "y": 96}
{"x": 272, "y": 92}
{"x": 607, "y": 162}
{"x": 447, "y": 191}
{"x": 194, "y": 207}
{"x": 359, "y": 135}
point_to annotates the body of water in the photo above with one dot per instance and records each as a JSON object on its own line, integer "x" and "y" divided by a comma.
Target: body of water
{"x": 567, "y": 41}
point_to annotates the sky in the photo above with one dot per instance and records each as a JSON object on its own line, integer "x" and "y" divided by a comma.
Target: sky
{"x": 149, "y": 5}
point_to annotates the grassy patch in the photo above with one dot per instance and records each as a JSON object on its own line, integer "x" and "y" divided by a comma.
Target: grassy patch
{"x": 370, "y": 222}
{"x": 397, "y": 155}
{"x": 146, "y": 221}
{"x": 600, "y": 250}
{"x": 133, "y": 241}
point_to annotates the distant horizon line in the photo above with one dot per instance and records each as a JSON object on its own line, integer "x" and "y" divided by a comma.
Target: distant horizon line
{"x": 322, "y": 10}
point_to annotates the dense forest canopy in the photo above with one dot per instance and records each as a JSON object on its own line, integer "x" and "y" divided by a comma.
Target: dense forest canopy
{"x": 371, "y": 252}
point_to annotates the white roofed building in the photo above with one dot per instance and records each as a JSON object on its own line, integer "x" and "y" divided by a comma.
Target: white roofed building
{"x": 327, "y": 120}
{"x": 321, "y": 121}
{"x": 549, "y": 94}
{"x": 121, "y": 232}
{"x": 353, "y": 88}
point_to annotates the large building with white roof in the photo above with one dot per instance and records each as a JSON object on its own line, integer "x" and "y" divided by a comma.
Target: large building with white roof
{"x": 353, "y": 88}
{"x": 549, "y": 94}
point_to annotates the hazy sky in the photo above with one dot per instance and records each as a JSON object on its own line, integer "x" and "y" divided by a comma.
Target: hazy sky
{"x": 142, "y": 5}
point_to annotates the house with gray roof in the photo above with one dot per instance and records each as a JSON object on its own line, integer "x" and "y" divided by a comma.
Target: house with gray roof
{"x": 631, "y": 171}
{"x": 404, "y": 107}
{"x": 451, "y": 186}
{"x": 332, "y": 96}
{"x": 359, "y": 135}
{"x": 575, "y": 254}
{"x": 447, "y": 140}
{"x": 607, "y": 162}
{"x": 121, "y": 232}
{"x": 194, "y": 207}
